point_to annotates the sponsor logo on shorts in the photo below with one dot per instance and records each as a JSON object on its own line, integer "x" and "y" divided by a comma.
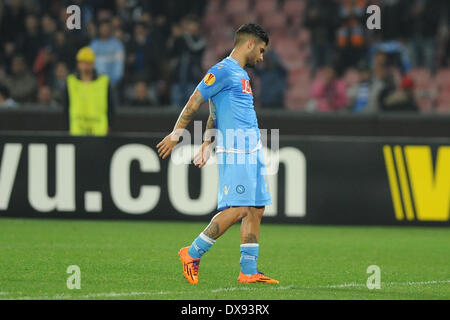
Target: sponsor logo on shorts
{"x": 225, "y": 190}
{"x": 240, "y": 189}
{"x": 210, "y": 78}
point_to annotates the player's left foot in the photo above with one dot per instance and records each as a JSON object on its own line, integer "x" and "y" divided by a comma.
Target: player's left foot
{"x": 257, "y": 277}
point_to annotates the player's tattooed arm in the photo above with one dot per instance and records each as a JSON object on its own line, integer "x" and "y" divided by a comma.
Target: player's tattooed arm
{"x": 204, "y": 153}
{"x": 166, "y": 146}
{"x": 210, "y": 123}
{"x": 209, "y": 132}
{"x": 189, "y": 110}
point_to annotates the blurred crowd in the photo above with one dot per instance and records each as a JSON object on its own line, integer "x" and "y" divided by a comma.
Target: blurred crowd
{"x": 155, "y": 52}
{"x": 148, "y": 49}
{"x": 387, "y": 64}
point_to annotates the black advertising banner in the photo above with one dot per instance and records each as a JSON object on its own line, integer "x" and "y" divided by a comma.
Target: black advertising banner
{"x": 319, "y": 180}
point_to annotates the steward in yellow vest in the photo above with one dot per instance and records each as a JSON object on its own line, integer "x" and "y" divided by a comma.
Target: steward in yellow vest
{"x": 89, "y": 105}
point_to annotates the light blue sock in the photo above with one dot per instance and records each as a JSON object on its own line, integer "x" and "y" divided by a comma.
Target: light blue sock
{"x": 249, "y": 258}
{"x": 200, "y": 246}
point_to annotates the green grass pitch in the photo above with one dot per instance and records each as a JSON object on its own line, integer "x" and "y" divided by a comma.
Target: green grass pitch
{"x": 138, "y": 260}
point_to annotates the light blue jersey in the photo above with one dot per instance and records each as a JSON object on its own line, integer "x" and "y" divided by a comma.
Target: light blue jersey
{"x": 239, "y": 149}
{"x": 227, "y": 86}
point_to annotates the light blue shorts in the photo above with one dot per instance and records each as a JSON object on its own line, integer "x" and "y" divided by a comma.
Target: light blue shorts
{"x": 241, "y": 180}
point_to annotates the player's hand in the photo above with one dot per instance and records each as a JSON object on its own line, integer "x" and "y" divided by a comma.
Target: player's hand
{"x": 202, "y": 155}
{"x": 165, "y": 147}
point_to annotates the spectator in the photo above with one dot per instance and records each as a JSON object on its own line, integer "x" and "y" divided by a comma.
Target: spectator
{"x": 62, "y": 50}
{"x": 110, "y": 54}
{"x": 329, "y": 91}
{"x": 187, "y": 52}
{"x": 128, "y": 12}
{"x": 13, "y": 21}
{"x": 45, "y": 98}
{"x": 360, "y": 94}
{"x": 367, "y": 95}
{"x": 21, "y": 83}
{"x": 424, "y": 19}
{"x": 143, "y": 55}
{"x": 386, "y": 57}
{"x": 92, "y": 31}
{"x": 394, "y": 19}
{"x": 383, "y": 84}
{"x": 120, "y": 35}
{"x": 42, "y": 65}
{"x": 119, "y": 31}
{"x": 402, "y": 99}
{"x": 116, "y": 24}
{"x": 141, "y": 95}
{"x": 174, "y": 10}
{"x": 30, "y": 41}
{"x": 273, "y": 81}
{"x": 351, "y": 40}
{"x": 5, "y": 98}
{"x": 132, "y": 46}
{"x": 445, "y": 61}
{"x": 322, "y": 20}
{"x": 9, "y": 50}
{"x": 58, "y": 82}
{"x": 395, "y": 55}
{"x": 88, "y": 104}
{"x": 48, "y": 30}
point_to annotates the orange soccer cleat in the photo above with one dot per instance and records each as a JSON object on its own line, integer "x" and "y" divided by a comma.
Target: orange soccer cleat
{"x": 257, "y": 277}
{"x": 190, "y": 265}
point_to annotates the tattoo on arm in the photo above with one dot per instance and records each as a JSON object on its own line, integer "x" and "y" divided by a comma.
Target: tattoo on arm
{"x": 210, "y": 123}
{"x": 185, "y": 117}
{"x": 209, "y": 132}
{"x": 212, "y": 230}
{"x": 189, "y": 110}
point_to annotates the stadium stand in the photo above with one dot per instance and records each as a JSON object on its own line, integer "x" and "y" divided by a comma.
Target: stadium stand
{"x": 291, "y": 41}
{"x": 290, "y": 37}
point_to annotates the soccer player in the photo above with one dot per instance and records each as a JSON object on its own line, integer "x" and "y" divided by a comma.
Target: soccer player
{"x": 243, "y": 192}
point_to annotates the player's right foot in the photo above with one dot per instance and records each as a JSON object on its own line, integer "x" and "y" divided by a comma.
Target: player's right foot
{"x": 190, "y": 265}
{"x": 257, "y": 277}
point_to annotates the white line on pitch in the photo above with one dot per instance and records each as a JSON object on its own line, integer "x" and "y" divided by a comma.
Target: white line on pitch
{"x": 228, "y": 289}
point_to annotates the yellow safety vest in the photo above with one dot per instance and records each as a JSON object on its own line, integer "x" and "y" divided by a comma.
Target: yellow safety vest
{"x": 88, "y": 106}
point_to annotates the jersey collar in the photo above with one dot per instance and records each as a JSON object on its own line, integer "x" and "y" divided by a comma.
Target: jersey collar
{"x": 235, "y": 61}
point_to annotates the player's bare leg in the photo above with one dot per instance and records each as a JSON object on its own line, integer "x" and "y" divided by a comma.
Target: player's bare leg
{"x": 250, "y": 228}
{"x": 190, "y": 256}
{"x": 225, "y": 219}
{"x": 250, "y": 225}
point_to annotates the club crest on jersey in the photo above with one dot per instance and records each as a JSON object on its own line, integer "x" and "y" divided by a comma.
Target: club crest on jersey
{"x": 246, "y": 88}
{"x": 240, "y": 189}
{"x": 210, "y": 78}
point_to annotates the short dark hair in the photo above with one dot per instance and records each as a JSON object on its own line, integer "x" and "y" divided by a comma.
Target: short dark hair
{"x": 251, "y": 29}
